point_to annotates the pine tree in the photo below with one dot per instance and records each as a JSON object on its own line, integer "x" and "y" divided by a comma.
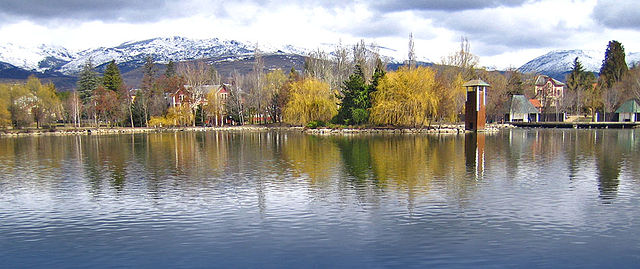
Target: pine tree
{"x": 354, "y": 96}
{"x": 171, "y": 69}
{"x": 576, "y": 83}
{"x": 614, "y": 65}
{"x": 87, "y": 81}
{"x": 112, "y": 80}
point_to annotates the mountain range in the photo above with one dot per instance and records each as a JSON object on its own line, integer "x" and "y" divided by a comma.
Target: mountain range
{"x": 61, "y": 65}
{"x": 557, "y": 64}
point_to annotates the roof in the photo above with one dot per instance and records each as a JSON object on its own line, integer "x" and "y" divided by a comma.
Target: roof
{"x": 542, "y": 79}
{"x": 520, "y": 104}
{"x": 630, "y": 106}
{"x": 476, "y": 82}
{"x": 535, "y": 103}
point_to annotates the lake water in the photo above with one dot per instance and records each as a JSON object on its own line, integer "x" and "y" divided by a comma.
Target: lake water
{"x": 515, "y": 199}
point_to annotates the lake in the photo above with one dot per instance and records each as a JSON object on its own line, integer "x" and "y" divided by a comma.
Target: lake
{"x": 518, "y": 198}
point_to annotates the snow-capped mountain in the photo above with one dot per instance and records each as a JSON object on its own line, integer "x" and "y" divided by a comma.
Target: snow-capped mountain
{"x": 161, "y": 49}
{"x": 58, "y": 59}
{"x": 38, "y": 58}
{"x": 560, "y": 62}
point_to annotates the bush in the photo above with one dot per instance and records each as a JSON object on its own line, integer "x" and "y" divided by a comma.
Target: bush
{"x": 359, "y": 115}
{"x": 316, "y": 124}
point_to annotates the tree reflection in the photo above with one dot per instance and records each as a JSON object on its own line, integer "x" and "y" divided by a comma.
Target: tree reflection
{"x": 608, "y": 162}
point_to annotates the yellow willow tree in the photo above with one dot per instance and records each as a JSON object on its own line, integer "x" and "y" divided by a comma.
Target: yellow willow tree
{"x": 310, "y": 100}
{"x": 407, "y": 97}
{"x": 451, "y": 95}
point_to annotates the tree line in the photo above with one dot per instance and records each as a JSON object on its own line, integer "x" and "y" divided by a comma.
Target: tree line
{"x": 348, "y": 86}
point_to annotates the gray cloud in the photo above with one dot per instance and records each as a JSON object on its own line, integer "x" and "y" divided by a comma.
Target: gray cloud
{"x": 83, "y": 10}
{"x": 494, "y": 34}
{"x": 375, "y": 28}
{"x": 617, "y": 14}
{"x": 443, "y": 5}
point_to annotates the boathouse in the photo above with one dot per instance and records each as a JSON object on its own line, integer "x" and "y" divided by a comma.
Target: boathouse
{"x": 522, "y": 110}
{"x": 629, "y": 111}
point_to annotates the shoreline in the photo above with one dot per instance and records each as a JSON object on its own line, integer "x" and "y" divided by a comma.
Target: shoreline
{"x": 435, "y": 129}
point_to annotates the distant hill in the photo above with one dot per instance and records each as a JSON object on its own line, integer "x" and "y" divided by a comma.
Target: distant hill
{"x": 61, "y": 66}
{"x": 557, "y": 64}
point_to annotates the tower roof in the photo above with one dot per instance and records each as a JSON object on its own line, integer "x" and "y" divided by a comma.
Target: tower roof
{"x": 476, "y": 82}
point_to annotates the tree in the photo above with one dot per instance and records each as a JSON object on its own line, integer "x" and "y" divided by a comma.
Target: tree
{"x": 515, "y": 85}
{"x": 258, "y": 97}
{"x": 5, "y": 115}
{"x": 405, "y": 98}
{"x": 497, "y": 96}
{"x": 578, "y": 82}
{"x": 411, "y": 62}
{"x": 633, "y": 81}
{"x": 105, "y": 105}
{"x": 112, "y": 80}
{"x": 354, "y": 96}
{"x": 88, "y": 81}
{"x": 451, "y": 94}
{"x": 311, "y": 100}
{"x": 234, "y": 105}
{"x": 275, "y": 88}
{"x": 146, "y": 93}
{"x": 196, "y": 75}
{"x": 463, "y": 59}
{"x": 614, "y": 67}
{"x": 46, "y": 106}
{"x": 214, "y": 107}
{"x": 171, "y": 69}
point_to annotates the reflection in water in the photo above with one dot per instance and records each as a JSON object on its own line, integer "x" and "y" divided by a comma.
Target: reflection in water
{"x": 410, "y": 164}
{"x": 474, "y": 153}
{"x": 285, "y": 199}
{"x": 608, "y": 161}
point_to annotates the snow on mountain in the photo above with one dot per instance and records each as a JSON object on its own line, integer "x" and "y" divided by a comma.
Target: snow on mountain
{"x": 558, "y": 63}
{"x": 37, "y": 58}
{"x": 162, "y": 50}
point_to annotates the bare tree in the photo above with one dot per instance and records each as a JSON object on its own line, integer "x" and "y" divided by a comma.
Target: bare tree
{"x": 463, "y": 59}
{"x": 196, "y": 76}
{"x": 411, "y": 62}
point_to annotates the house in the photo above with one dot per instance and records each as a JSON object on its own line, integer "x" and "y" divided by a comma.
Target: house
{"x": 549, "y": 92}
{"x": 178, "y": 97}
{"x": 522, "y": 110}
{"x": 183, "y": 95}
{"x": 629, "y": 111}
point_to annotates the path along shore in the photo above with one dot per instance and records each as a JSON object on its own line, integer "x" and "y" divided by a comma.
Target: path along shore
{"x": 436, "y": 129}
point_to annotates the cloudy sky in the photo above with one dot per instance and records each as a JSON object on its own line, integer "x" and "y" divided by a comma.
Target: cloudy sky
{"x": 504, "y": 33}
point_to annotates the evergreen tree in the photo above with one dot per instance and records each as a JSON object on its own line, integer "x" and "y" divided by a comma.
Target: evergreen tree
{"x": 614, "y": 65}
{"x": 354, "y": 96}
{"x": 88, "y": 81}
{"x": 171, "y": 69}
{"x": 293, "y": 74}
{"x": 148, "y": 73}
{"x": 577, "y": 84}
{"x": 378, "y": 74}
{"x": 112, "y": 80}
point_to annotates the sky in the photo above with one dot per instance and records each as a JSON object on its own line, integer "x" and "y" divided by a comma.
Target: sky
{"x": 503, "y": 33}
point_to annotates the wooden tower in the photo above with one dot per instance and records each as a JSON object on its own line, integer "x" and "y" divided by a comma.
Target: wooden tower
{"x": 475, "y": 106}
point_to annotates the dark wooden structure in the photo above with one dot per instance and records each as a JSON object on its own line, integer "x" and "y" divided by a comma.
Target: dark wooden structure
{"x": 475, "y": 106}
